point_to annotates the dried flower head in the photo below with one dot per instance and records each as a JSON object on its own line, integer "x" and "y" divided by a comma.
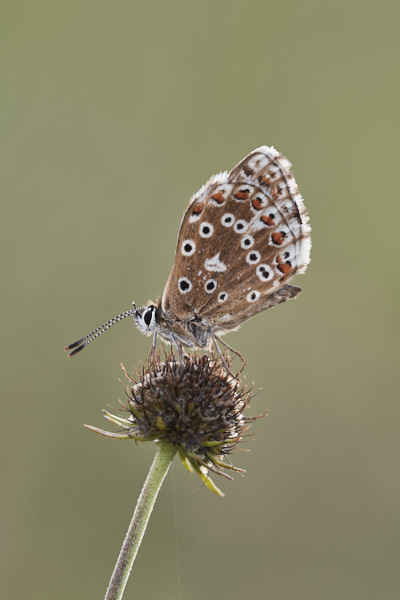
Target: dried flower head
{"x": 196, "y": 406}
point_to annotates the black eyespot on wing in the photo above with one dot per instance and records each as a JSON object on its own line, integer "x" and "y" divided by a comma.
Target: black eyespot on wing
{"x": 210, "y": 286}
{"x": 185, "y": 285}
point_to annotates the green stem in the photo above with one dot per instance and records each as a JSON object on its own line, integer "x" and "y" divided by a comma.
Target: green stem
{"x": 138, "y": 524}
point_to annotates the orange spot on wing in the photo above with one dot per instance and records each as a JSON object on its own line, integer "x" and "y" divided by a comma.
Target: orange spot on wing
{"x": 242, "y": 195}
{"x": 198, "y": 209}
{"x": 274, "y": 192}
{"x": 283, "y": 267}
{"x": 277, "y": 238}
{"x": 218, "y": 197}
{"x": 257, "y": 204}
{"x": 267, "y": 220}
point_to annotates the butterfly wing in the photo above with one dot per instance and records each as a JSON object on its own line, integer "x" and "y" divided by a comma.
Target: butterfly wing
{"x": 244, "y": 235}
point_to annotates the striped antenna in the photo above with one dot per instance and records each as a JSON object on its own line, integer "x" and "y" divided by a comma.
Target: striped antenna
{"x": 80, "y": 344}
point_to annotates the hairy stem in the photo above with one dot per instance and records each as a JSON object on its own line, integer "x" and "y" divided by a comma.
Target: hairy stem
{"x": 138, "y": 524}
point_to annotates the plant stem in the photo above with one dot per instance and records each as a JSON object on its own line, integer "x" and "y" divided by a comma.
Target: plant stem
{"x": 138, "y": 524}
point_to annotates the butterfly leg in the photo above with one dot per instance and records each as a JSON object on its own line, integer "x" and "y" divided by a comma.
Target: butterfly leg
{"x": 216, "y": 338}
{"x": 153, "y": 346}
{"x": 178, "y": 346}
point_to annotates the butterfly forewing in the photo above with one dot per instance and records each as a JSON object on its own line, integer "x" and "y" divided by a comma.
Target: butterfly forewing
{"x": 243, "y": 236}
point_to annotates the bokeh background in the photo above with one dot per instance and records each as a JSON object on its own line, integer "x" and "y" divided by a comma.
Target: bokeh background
{"x": 113, "y": 114}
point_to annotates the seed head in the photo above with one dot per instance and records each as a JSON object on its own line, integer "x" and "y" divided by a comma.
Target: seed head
{"x": 196, "y": 406}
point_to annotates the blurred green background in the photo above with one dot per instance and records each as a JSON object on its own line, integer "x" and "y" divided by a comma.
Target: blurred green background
{"x": 113, "y": 114}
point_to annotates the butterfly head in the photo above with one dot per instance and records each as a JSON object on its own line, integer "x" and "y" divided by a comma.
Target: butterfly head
{"x": 146, "y": 319}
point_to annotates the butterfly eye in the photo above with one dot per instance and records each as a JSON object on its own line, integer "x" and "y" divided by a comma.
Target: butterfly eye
{"x": 148, "y": 315}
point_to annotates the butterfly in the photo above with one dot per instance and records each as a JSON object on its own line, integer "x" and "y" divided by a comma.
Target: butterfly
{"x": 244, "y": 235}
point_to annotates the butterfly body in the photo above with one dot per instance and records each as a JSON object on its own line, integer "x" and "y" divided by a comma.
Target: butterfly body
{"x": 152, "y": 320}
{"x": 244, "y": 235}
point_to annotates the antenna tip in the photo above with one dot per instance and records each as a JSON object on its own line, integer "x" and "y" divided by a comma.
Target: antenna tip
{"x": 74, "y": 345}
{"x": 74, "y": 351}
